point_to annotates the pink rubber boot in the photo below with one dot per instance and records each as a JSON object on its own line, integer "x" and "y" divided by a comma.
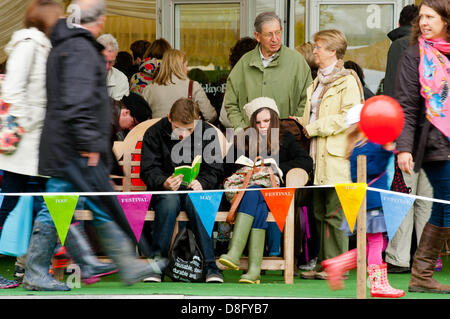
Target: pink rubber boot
{"x": 379, "y": 284}
{"x": 335, "y": 268}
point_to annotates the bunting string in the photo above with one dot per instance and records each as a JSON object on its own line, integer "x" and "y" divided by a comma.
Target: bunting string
{"x": 135, "y": 205}
{"x": 435, "y": 200}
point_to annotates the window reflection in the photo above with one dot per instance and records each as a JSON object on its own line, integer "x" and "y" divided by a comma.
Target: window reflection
{"x": 363, "y": 24}
{"x": 206, "y": 32}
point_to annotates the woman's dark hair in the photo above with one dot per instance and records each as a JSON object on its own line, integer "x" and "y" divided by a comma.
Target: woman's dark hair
{"x": 139, "y": 47}
{"x": 355, "y": 66}
{"x": 157, "y": 49}
{"x": 408, "y": 14}
{"x": 442, "y": 7}
{"x": 274, "y": 124}
{"x": 241, "y": 47}
{"x": 43, "y": 14}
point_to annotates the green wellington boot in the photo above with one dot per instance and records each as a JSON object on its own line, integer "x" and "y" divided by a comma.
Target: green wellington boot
{"x": 255, "y": 256}
{"x": 241, "y": 229}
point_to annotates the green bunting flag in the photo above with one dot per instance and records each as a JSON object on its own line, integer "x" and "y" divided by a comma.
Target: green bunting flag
{"x": 61, "y": 208}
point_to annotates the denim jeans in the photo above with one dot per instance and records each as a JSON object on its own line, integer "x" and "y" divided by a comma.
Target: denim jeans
{"x": 167, "y": 208}
{"x": 58, "y": 185}
{"x": 254, "y": 204}
{"x": 438, "y": 174}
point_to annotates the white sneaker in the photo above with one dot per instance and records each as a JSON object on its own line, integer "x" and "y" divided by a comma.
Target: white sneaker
{"x": 154, "y": 278}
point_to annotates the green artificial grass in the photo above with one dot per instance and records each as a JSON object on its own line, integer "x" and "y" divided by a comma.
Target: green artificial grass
{"x": 272, "y": 286}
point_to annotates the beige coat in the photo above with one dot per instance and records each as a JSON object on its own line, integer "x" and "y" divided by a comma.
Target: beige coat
{"x": 329, "y": 129}
{"x": 160, "y": 98}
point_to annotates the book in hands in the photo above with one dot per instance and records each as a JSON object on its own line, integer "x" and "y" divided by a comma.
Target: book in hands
{"x": 243, "y": 160}
{"x": 189, "y": 173}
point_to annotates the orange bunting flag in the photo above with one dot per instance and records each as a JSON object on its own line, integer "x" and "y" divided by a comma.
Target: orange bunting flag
{"x": 351, "y": 196}
{"x": 279, "y": 201}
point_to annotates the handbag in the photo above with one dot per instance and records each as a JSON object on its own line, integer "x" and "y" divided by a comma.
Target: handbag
{"x": 398, "y": 183}
{"x": 17, "y": 228}
{"x": 247, "y": 176}
{"x": 186, "y": 262}
{"x": 10, "y": 131}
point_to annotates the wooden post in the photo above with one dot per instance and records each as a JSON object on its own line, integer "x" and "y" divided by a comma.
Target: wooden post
{"x": 361, "y": 290}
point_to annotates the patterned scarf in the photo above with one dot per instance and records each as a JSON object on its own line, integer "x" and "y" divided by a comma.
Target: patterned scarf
{"x": 434, "y": 76}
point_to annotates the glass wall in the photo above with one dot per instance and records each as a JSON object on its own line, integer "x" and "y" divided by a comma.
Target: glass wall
{"x": 365, "y": 24}
{"x": 265, "y": 5}
{"x": 206, "y": 32}
{"x": 299, "y": 22}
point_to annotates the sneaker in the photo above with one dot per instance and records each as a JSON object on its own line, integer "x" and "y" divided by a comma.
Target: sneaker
{"x": 393, "y": 269}
{"x": 6, "y": 283}
{"x": 19, "y": 272}
{"x": 308, "y": 274}
{"x": 153, "y": 278}
{"x": 214, "y": 276}
{"x": 309, "y": 266}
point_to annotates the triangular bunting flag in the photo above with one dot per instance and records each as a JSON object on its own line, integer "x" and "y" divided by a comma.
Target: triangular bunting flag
{"x": 351, "y": 196}
{"x": 279, "y": 201}
{"x": 135, "y": 208}
{"x": 207, "y": 206}
{"x": 61, "y": 208}
{"x": 395, "y": 208}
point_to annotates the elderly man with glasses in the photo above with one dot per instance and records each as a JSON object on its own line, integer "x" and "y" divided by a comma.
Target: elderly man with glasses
{"x": 272, "y": 70}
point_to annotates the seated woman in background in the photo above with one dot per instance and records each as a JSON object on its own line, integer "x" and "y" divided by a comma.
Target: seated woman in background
{"x": 250, "y": 223}
{"x": 171, "y": 84}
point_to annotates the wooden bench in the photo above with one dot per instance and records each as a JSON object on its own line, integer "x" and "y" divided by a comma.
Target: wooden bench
{"x": 128, "y": 154}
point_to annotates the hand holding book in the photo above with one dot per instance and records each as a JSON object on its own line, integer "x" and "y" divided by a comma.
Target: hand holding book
{"x": 173, "y": 183}
{"x": 189, "y": 173}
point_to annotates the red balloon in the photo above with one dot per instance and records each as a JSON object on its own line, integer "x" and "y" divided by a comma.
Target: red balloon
{"x": 381, "y": 119}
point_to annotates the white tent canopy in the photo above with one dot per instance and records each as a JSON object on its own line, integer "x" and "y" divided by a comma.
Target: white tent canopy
{"x": 12, "y": 12}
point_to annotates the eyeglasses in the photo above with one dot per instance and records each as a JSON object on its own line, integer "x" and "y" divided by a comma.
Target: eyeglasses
{"x": 316, "y": 47}
{"x": 270, "y": 35}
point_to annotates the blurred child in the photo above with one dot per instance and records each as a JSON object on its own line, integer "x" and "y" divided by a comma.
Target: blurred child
{"x": 378, "y": 157}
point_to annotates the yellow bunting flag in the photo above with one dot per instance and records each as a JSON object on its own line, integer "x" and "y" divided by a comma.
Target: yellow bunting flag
{"x": 351, "y": 196}
{"x": 279, "y": 201}
{"x": 61, "y": 208}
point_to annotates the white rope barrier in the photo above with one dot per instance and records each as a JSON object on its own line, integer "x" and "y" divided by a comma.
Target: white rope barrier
{"x": 430, "y": 199}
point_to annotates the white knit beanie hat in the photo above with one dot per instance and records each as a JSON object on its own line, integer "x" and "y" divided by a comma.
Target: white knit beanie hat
{"x": 259, "y": 103}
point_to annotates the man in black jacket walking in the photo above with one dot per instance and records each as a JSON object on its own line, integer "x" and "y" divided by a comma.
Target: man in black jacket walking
{"x": 75, "y": 148}
{"x": 174, "y": 141}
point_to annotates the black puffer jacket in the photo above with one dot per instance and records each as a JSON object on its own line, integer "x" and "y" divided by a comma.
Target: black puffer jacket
{"x": 78, "y": 117}
{"x": 157, "y": 163}
{"x": 419, "y": 136}
{"x": 400, "y": 38}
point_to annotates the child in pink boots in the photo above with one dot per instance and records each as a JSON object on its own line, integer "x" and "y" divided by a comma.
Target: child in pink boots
{"x": 377, "y": 161}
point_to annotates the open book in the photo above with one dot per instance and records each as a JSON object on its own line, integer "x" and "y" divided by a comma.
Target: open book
{"x": 189, "y": 173}
{"x": 243, "y": 160}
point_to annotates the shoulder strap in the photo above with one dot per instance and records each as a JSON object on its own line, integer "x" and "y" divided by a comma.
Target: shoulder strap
{"x": 191, "y": 84}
